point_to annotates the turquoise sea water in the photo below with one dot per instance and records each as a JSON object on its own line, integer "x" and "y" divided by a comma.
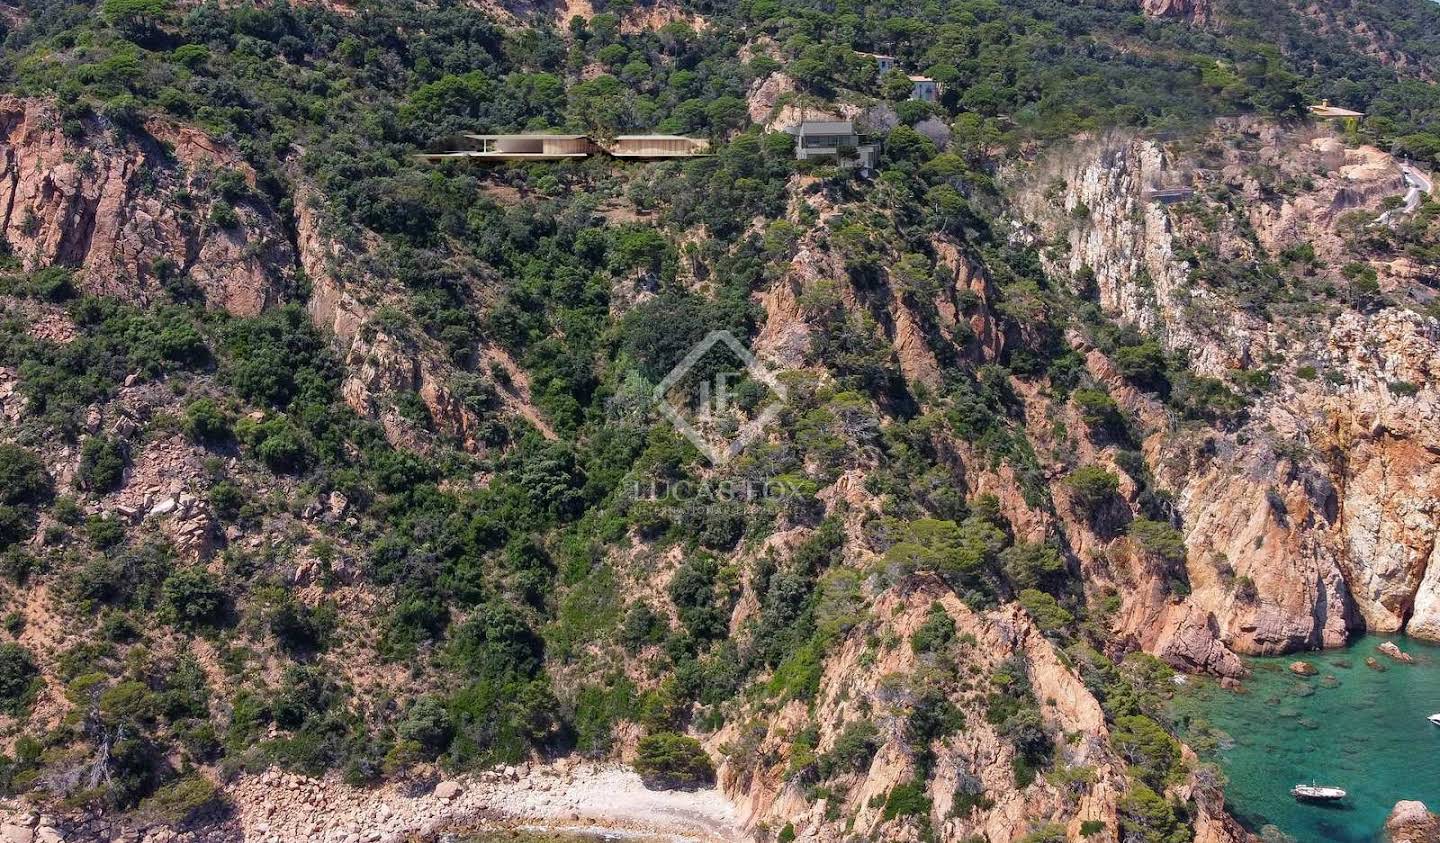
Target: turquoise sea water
{"x": 1351, "y": 726}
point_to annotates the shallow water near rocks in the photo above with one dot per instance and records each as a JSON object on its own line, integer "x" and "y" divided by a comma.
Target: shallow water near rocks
{"x": 1351, "y": 726}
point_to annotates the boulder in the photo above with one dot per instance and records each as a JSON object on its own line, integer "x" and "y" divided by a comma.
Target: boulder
{"x": 1412, "y": 822}
{"x": 448, "y": 790}
{"x": 1303, "y": 668}
{"x": 1390, "y": 649}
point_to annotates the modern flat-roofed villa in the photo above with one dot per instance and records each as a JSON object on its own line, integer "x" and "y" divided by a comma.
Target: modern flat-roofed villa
{"x": 655, "y": 146}
{"x": 924, "y": 89}
{"x": 833, "y": 139}
{"x": 522, "y": 147}
{"x": 553, "y": 147}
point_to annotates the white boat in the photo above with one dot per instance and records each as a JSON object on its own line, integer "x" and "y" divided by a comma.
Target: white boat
{"x": 1434, "y": 718}
{"x": 1316, "y": 793}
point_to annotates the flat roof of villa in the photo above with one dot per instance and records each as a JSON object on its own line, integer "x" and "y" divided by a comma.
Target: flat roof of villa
{"x": 656, "y": 137}
{"x": 1334, "y": 111}
{"x": 827, "y": 127}
{"x": 537, "y": 135}
{"x": 921, "y": 79}
{"x": 467, "y": 153}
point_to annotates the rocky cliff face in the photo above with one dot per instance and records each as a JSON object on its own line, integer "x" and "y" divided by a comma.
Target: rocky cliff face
{"x": 855, "y": 685}
{"x": 155, "y": 214}
{"x": 138, "y": 212}
{"x": 970, "y": 784}
{"x": 1196, "y": 11}
{"x": 1322, "y": 504}
{"x": 384, "y": 362}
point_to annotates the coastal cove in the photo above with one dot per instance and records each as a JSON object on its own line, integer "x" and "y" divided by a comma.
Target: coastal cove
{"x": 1354, "y": 726}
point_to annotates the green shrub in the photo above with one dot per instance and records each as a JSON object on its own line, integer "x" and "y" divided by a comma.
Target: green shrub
{"x": 1159, "y": 538}
{"x": 642, "y": 625}
{"x": 1047, "y": 833}
{"x": 1033, "y": 565}
{"x": 192, "y": 597}
{"x": 1146, "y": 816}
{"x": 798, "y": 676}
{"x": 598, "y": 708}
{"x": 128, "y": 703}
{"x": 1093, "y": 487}
{"x": 223, "y": 216}
{"x": 25, "y": 485}
{"x": 1146, "y": 746}
{"x": 206, "y": 423}
{"x": 907, "y": 799}
{"x": 183, "y": 801}
{"x": 104, "y": 533}
{"x": 961, "y": 552}
{"x": 19, "y": 678}
{"x": 854, "y": 747}
{"x": 667, "y": 760}
{"x": 937, "y": 630}
{"x": 23, "y": 478}
{"x": 53, "y": 284}
{"x": 283, "y": 449}
{"x": 701, "y": 599}
{"x": 1205, "y": 398}
{"x": 302, "y": 629}
{"x": 67, "y": 511}
{"x": 427, "y": 722}
{"x": 135, "y": 15}
{"x": 16, "y": 564}
{"x": 1145, "y": 364}
{"x": 1046, "y": 612}
{"x": 102, "y": 464}
{"x": 227, "y": 500}
{"x": 1098, "y": 410}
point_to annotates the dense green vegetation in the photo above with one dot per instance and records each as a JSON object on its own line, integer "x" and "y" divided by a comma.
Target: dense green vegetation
{"x": 529, "y": 597}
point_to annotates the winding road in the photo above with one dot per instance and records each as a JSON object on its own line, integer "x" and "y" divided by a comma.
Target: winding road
{"x": 1420, "y": 186}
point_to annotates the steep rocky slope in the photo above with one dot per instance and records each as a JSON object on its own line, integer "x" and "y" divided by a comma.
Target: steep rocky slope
{"x": 134, "y": 216}
{"x": 1321, "y": 499}
{"x": 1196, "y": 11}
{"x": 144, "y": 215}
{"x": 944, "y": 636}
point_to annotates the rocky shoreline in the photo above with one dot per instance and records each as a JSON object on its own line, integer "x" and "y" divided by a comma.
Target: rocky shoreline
{"x": 278, "y": 807}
